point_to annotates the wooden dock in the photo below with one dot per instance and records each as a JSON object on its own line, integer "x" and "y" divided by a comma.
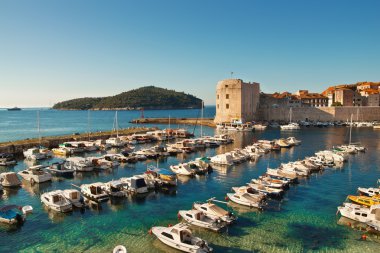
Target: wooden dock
{"x": 176, "y": 121}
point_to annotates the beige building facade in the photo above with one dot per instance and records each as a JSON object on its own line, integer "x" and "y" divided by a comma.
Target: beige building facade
{"x": 236, "y": 100}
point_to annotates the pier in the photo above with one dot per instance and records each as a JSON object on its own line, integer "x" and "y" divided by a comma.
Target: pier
{"x": 17, "y": 147}
{"x": 176, "y": 121}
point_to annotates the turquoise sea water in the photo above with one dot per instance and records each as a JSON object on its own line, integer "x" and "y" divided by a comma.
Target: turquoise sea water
{"x": 304, "y": 221}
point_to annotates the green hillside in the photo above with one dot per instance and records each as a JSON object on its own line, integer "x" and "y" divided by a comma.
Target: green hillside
{"x": 148, "y": 97}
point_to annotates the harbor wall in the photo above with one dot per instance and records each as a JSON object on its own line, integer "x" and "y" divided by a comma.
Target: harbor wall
{"x": 341, "y": 113}
{"x": 17, "y": 147}
{"x": 176, "y": 121}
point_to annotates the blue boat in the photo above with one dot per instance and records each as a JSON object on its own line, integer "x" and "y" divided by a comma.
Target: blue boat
{"x": 11, "y": 214}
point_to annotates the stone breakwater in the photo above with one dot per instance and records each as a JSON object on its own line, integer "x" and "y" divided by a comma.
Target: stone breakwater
{"x": 17, "y": 147}
{"x": 176, "y": 121}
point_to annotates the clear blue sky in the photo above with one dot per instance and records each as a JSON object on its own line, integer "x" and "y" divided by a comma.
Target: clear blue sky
{"x": 56, "y": 50}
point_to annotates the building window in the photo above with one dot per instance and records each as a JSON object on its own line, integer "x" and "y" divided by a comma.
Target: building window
{"x": 217, "y": 96}
{"x": 226, "y": 86}
{"x": 227, "y": 106}
{"x": 227, "y": 96}
{"x": 218, "y": 106}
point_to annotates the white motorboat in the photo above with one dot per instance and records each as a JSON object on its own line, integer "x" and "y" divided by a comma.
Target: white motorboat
{"x": 100, "y": 163}
{"x": 268, "y": 182}
{"x": 150, "y": 154}
{"x": 58, "y": 169}
{"x": 34, "y": 154}
{"x": 282, "y": 143}
{"x": 136, "y": 184}
{"x": 79, "y": 164}
{"x": 290, "y": 126}
{"x": 114, "y": 189}
{"x": 255, "y": 194}
{"x": 293, "y": 141}
{"x": 369, "y": 191}
{"x": 35, "y": 174}
{"x": 260, "y": 127}
{"x": 116, "y": 142}
{"x": 74, "y": 197}
{"x": 94, "y": 192}
{"x": 182, "y": 169}
{"x": 277, "y": 173}
{"x": 360, "y": 213}
{"x": 215, "y": 211}
{"x": 223, "y": 139}
{"x": 244, "y": 199}
{"x": 7, "y": 159}
{"x": 72, "y": 147}
{"x": 198, "y": 218}
{"x": 180, "y": 237}
{"x": 266, "y": 189}
{"x": 9, "y": 179}
{"x": 56, "y": 201}
{"x": 223, "y": 159}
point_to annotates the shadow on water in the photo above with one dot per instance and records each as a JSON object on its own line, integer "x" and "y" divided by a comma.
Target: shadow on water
{"x": 218, "y": 248}
{"x": 316, "y": 238}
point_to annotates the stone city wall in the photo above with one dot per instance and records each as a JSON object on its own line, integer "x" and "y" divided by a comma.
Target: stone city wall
{"x": 364, "y": 113}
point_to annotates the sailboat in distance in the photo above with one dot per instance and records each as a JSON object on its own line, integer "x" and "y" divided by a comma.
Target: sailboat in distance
{"x": 291, "y": 125}
{"x": 115, "y": 141}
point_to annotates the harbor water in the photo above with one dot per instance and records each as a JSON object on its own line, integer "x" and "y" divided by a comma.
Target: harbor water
{"x": 303, "y": 221}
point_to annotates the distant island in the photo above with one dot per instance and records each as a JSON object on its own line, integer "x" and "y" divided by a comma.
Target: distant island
{"x": 149, "y": 97}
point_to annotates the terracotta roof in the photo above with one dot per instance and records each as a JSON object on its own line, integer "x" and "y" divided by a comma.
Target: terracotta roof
{"x": 371, "y": 91}
{"x": 312, "y": 95}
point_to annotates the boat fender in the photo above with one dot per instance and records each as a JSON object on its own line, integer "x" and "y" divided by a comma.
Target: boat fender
{"x": 226, "y": 198}
{"x": 178, "y": 216}
{"x": 170, "y": 225}
{"x": 364, "y": 237}
{"x": 32, "y": 181}
{"x": 349, "y": 224}
{"x": 150, "y": 231}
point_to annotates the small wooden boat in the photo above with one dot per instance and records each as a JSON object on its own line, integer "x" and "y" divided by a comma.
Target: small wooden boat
{"x": 180, "y": 237}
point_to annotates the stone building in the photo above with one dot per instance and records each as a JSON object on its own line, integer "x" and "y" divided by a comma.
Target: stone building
{"x": 236, "y": 100}
{"x": 309, "y": 99}
{"x": 344, "y": 96}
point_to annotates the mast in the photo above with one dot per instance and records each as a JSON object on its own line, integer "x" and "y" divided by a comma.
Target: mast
{"x": 38, "y": 127}
{"x": 290, "y": 114}
{"x": 350, "y": 130}
{"x": 357, "y": 115}
{"x": 202, "y": 120}
{"x": 88, "y": 124}
{"x": 116, "y": 125}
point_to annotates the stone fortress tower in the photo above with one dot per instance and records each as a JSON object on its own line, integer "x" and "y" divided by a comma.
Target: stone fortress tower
{"x": 236, "y": 100}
